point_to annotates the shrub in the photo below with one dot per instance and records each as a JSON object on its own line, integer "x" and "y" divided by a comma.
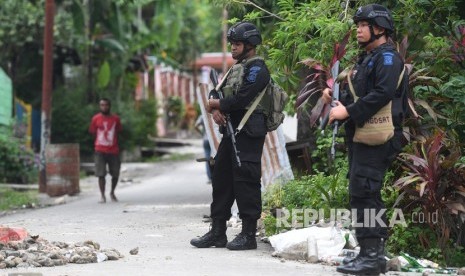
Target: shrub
{"x": 137, "y": 124}
{"x": 434, "y": 182}
{"x": 71, "y": 116}
{"x": 317, "y": 191}
{"x": 17, "y": 163}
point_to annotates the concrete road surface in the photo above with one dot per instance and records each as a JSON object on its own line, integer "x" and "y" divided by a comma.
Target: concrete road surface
{"x": 159, "y": 212}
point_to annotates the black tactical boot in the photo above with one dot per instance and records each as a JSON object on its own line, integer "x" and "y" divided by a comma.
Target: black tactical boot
{"x": 381, "y": 258}
{"x": 366, "y": 263}
{"x": 215, "y": 237}
{"x": 245, "y": 240}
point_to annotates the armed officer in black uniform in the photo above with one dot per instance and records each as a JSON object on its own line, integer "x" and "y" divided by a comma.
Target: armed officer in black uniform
{"x": 247, "y": 78}
{"x": 375, "y": 80}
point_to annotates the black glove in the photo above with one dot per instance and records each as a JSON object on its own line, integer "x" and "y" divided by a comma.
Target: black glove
{"x": 213, "y": 94}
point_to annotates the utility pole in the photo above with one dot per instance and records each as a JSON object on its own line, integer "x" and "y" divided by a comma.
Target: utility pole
{"x": 225, "y": 39}
{"x": 90, "y": 45}
{"x": 47, "y": 86}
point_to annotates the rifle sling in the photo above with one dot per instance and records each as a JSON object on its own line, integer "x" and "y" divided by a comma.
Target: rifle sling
{"x": 250, "y": 110}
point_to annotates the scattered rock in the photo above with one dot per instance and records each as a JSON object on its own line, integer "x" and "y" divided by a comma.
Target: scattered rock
{"x": 83, "y": 259}
{"x": 17, "y": 260}
{"x": 12, "y": 253}
{"x": 35, "y": 252}
{"x": 92, "y": 244}
{"x": 35, "y": 264}
{"x": 10, "y": 263}
{"x": 134, "y": 251}
{"x": 265, "y": 240}
{"x": 23, "y": 265}
{"x": 60, "y": 244}
{"x": 44, "y": 261}
{"x": 461, "y": 271}
{"x": 54, "y": 255}
{"x": 112, "y": 254}
{"x": 394, "y": 264}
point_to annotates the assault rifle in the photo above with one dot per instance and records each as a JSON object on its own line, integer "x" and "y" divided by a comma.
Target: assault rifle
{"x": 229, "y": 128}
{"x": 334, "y": 73}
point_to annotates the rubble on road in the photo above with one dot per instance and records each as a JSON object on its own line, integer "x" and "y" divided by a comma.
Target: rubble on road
{"x": 38, "y": 252}
{"x": 134, "y": 251}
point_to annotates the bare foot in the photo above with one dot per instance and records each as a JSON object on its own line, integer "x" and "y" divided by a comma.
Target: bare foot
{"x": 113, "y": 198}
{"x": 103, "y": 200}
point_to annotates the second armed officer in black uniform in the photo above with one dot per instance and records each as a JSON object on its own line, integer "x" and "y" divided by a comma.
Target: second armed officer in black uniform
{"x": 247, "y": 78}
{"x": 378, "y": 78}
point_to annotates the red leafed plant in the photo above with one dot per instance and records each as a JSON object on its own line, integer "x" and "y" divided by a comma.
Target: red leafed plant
{"x": 435, "y": 181}
{"x": 458, "y": 48}
{"x": 319, "y": 79}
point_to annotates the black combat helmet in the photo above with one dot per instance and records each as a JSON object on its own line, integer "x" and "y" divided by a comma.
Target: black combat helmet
{"x": 377, "y": 15}
{"x": 245, "y": 32}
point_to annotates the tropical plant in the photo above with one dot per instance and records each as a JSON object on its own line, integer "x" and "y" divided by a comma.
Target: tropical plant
{"x": 17, "y": 162}
{"x": 320, "y": 78}
{"x": 321, "y": 158}
{"x": 317, "y": 191}
{"x": 435, "y": 181}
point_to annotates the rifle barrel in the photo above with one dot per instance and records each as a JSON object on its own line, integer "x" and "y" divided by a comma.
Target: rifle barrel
{"x": 335, "y": 73}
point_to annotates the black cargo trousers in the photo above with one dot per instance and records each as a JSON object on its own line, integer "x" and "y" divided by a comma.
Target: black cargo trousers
{"x": 367, "y": 167}
{"x": 242, "y": 184}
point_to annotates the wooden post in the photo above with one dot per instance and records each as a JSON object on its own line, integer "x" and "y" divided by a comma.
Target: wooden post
{"x": 47, "y": 86}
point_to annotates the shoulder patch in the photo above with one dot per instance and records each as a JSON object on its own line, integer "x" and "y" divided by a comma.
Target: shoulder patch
{"x": 387, "y": 56}
{"x": 253, "y": 72}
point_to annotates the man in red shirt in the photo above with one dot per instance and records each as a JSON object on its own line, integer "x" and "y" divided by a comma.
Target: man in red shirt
{"x": 105, "y": 128}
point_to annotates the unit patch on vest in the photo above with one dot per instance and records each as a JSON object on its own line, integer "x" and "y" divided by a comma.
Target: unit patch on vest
{"x": 388, "y": 58}
{"x": 253, "y": 72}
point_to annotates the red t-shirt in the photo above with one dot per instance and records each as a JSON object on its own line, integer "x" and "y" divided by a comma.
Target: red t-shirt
{"x": 106, "y": 129}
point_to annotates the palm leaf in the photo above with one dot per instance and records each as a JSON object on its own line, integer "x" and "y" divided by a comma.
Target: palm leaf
{"x": 422, "y": 187}
{"x": 428, "y": 109}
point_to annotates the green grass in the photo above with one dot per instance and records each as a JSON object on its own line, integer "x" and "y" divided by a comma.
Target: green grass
{"x": 11, "y": 199}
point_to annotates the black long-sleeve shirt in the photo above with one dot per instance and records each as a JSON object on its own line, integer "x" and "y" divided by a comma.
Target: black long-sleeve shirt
{"x": 375, "y": 82}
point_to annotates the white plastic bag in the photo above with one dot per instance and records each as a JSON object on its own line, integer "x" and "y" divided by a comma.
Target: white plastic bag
{"x": 293, "y": 244}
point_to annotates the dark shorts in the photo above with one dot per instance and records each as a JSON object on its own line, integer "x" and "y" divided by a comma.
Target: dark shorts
{"x": 101, "y": 161}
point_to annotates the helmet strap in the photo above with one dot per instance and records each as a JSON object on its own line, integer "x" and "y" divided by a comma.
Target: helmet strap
{"x": 245, "y": 52}
{"x": 373, "y": 37}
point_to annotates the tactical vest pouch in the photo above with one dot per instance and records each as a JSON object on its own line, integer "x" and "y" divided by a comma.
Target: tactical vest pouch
{"x": 379, "y": 128}
{"x": 227, "y": 91}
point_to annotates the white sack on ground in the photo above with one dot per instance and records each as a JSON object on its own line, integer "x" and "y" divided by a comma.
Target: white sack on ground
{"x": 293, "y": 244}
